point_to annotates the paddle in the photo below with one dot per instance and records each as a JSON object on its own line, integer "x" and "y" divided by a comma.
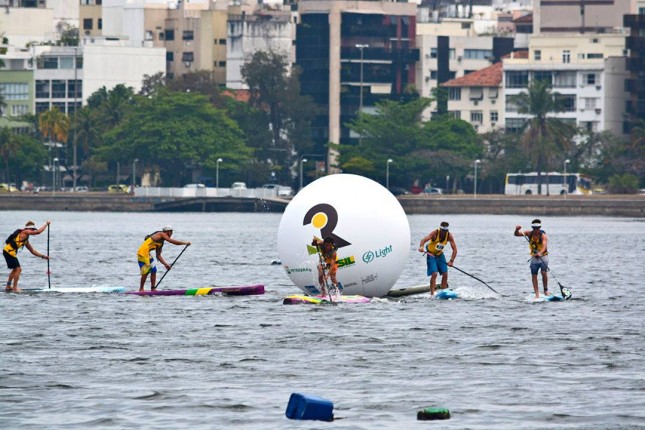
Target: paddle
{"x": 49, "y": 283}
{"x": 322, "y": 267}
{"x": 566, "y": 293}
{"x": 474, "y": 277}
{"x": 173, "y": 263}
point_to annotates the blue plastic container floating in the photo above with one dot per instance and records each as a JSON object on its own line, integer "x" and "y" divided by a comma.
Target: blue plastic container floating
{"x": 306, "y": 407}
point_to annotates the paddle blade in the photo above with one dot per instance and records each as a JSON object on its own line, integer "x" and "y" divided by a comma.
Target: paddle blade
{"x": 566, "y": 293}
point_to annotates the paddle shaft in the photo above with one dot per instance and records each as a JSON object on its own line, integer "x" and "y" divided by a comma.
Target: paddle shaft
{"x": 548, "y": 269}
{"x": 173, "y": 263}
{"x": 475, "y": 277}
{"x": 49, "y": 282}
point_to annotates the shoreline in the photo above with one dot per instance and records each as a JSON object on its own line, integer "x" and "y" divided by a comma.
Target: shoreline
{"x": 484, "y": 204}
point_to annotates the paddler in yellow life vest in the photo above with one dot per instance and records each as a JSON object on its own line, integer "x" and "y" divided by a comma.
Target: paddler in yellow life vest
{"x": 14, "y": 243}
{"x": 328, "y": 252}
{"x": 147, "y": 266}
{"x": 538, "y": 245}
{"x": 435, "y": 257}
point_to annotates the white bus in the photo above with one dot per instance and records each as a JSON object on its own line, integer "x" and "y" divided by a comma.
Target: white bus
{"x": 527, "y": 183}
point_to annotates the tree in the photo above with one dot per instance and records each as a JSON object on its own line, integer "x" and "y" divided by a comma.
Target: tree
{"x": 23, "y": 156}
{"x": 54, "y": 125}
{"x": 276, "y": 91}
{"x": 175, "y": 131}
{"x": 543, "y": 137}
{"x": 8, "y": 149}
{"x": 112, "y": 105}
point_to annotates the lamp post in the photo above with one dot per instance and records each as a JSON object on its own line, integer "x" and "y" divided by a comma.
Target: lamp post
{"x": 360, "y": 100}
{"x": 475, "y": 190}
{"x": 219, "y": 160}
{"x": 75, "y": 112}
{"x": 54, "y": 162}
{"x": 564, "y": 178}
{"x": 302, "y": 161}
{"x": 387, "y": 173}
{"x": 134, "y": 173}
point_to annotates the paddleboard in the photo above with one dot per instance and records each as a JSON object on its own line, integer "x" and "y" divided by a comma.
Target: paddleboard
{"x": 296, "y": 299}
{"x": 549, "y": 298}
{"x": 97, "y": 289}
{"x": 246, "y": 290}
{"x": 446, "y": 295}
{"x": 402, "y": 292}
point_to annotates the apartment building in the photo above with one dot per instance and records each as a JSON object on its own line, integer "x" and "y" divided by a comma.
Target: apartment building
{"x": 477, "y": 98}
{"x": 579, "y": 16}
{"x": 635, "y": 84}
{"x": 587, "y": 70}
{"x": 353, "y": 54}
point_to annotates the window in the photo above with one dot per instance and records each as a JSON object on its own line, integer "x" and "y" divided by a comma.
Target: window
{"x": 566, "y": 56}
{"x": 543, "y": 76}
{"x": 433, "y": 52}
{"x": 19, "y": 110}
{"x": 510, "y": 104}
{"x": 590, "y": 78}
{"x": 74, "y": 89}
{"x": 222, "y": 41}
{"x": 42, "y": 106}
{"x": 493, "y": 93}
{"x": 452, "y": 75}
{"x": 564, "y": 80}
{"x": 100, "y": 24}
{"x": 149, "y": 35}
{"x": 567, "y": 101}
{"x": 169, "y": 35}
{"x": 476, "y": 116}
{"x": 87, "y": 24}
{"x": 594, "y": 56}
{"x": 514, "y": 125}
{"x": 222, "y": 64}
{"x": 537, "y": 54}
{"x": 58, "y": 89}
{"x": 590, "y": 103}
{"x": 187, "y": 57}
{"x": 188, "y": 35}
{"x": 50, "y": 62}
{"x": 433, "y": 74}
{"x": 454, "y": 93}
{"x": 476, "y": 93}
{"x": 170, "y": 56}
{"x": 15, "y": 91}
{"x": 66, "y": 63}
{"x": 494, "y": 116}
{"x": 478, "y": 54}
{"x": 454, "y": 114}
{"x": 517, "y": 79}
{"x": 42, "y": 89}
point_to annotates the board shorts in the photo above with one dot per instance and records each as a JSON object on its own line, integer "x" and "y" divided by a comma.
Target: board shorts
{"x": 436, "y": 264}
{"x": 12, "y": 262}
{"x": 146, "y": 264}
{"x": 541, "y": 263}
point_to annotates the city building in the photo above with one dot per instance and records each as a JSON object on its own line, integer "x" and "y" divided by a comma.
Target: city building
{"x": 352, "y": 55}
{"x": 635, "y": 85}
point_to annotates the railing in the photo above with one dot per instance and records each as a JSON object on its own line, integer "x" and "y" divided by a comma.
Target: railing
{"x": 258, "y": 193}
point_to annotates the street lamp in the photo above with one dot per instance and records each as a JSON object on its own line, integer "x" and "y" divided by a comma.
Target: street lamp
{"x": 360, "y": 100}
{"x": 54, "y": 161}
{"x": 387, "y": 173}
{"x": 475, "y": 190}
{"x": 564, "y": 178}
{"x": 219, "y": 160}
{"x": 75, "y": 115}
{"x": 134, "y": 173}
{"x": 302, "y": 161}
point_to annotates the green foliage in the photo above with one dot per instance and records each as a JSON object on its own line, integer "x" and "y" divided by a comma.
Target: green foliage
{"x": 172, "y": 131}
{"x": 623, "y": 184}
{"x": 22, "y": 156}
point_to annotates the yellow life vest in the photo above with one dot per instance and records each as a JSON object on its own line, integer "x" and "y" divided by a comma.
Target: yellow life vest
{"x": 436, "y": 246}
{"x": 537, "y": 245}
{"x": 149, "y": 245}
{"x": 16, "y": 244}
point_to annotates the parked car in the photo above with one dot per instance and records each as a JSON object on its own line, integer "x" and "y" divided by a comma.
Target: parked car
{"x": 81, "y": 189}
{"x": 238, "y": 186}
{"x": 399, "y": 191}
{"x": 8, "y": 188}
{"x": 281, "y": 190}
{"x": 433, "y": 190}
{"x": 194, "y": 186}
{"x": 118, "y": 188}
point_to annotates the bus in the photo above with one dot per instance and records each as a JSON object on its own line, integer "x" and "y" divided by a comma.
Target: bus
{"x": 554, "y": 182}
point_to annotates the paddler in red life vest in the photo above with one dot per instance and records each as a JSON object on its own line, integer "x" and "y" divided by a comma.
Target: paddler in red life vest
{"x": 538, "y": 242}
{"x": 15, "y": 242}
{"x": 147, "y": 266}
{"x": 435, "y": 257}
{"x": 328, "y": 252}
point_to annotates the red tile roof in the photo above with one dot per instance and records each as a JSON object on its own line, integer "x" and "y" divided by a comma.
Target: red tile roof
{"x": 491, "y": 76}
{"x": 239, "y": 95}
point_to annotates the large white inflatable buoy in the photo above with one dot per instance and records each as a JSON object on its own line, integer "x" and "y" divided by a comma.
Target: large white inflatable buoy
{"x": 368, "y": 225}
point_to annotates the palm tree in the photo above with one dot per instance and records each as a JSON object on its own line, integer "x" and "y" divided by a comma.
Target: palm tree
{"x": 8, "y": 148}
{"x": 54, "y": 125}
{"x": 544, "y": 138}
{"x": 86, "y": 130}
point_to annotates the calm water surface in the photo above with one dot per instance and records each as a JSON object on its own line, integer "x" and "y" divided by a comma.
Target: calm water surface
{"x": 114, "y": 361}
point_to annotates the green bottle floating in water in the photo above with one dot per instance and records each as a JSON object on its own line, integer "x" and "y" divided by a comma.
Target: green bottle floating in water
{"x": 429, "y": 414}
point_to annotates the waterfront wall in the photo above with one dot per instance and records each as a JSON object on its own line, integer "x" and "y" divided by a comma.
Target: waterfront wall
{"x": 598, "y": 205}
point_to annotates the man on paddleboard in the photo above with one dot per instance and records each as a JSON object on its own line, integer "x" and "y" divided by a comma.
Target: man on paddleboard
{"x": 15, "y": 242}
{"x": 435, "y": 257}
{"x": 147, "y": 266}
{"x": 327, "y": 251}
{"x": 538, "y": 242}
